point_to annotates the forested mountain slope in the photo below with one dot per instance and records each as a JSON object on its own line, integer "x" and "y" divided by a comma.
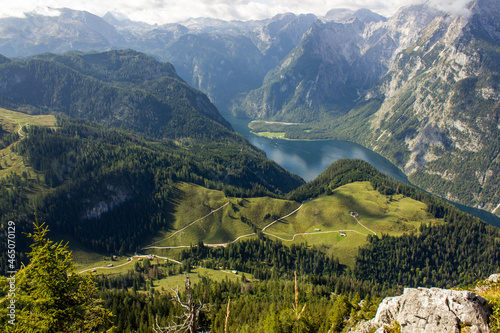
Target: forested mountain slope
{"x": 111, "y": 190}
{"x": 118, "y": 88}
{"x": 437, "y": 255}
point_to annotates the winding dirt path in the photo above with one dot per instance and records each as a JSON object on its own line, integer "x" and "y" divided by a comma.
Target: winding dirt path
{"x": 313, "y": 233}
{"x": 1, "y": 157}
{"x": 166, "y": 247}
{"x": 20, "y": 128}
{"x": 187, "y": 226}
{"x": 361, "y": 224}
{"x": 238, "y": 238}
{"x": 131, "y": 261}
{"x": 213, "y": 245}
{"x": 494, "y": 210}
{"x": 234, "y": 240}
{"x": 270, "y": 224}
{"x": 112, "y": 267}
{"x": 220, "y": 244}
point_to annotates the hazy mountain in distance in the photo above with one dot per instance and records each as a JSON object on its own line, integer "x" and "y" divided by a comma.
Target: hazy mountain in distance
{"x": 334, "y": 65}
{"x": 342, "y": 15}
{"x": 63, "y": 30}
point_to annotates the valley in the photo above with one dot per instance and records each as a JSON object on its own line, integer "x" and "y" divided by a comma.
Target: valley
{"x": 309, "y": 158}
{"x": 337, "y": 222}
{"x": 262, "y": 168}
{"x": 200, "y": 215}
{"x": 398, "y": 86}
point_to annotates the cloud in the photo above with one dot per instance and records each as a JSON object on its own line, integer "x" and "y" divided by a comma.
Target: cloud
{"x": 44, "y": 11}
{"x": 168, "y": 11}
{"x": 458, "y": 7}
{"x": 163, "y": 11}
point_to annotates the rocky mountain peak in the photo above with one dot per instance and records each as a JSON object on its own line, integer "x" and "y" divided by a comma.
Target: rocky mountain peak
{"x": 120, "y": 22}
{"x": 406, "y": 25}
{"x": 344, "y": 15}
{"x": 366, "y": 16}
{"x": 339, "y": 14}
{"x": 58, "y": 31}
{"x": 287, "y": 25}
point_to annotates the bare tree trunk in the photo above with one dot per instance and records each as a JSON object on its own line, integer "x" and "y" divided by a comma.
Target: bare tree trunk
{"x": 227, "y": 315}
{"x": 191, "y": 313}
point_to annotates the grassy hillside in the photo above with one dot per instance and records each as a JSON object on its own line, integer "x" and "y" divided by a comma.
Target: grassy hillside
{"x": 325, "y": 218}
{"x": 12, "y": 129}
{"x": 111, "y": 192}
{"x": 208, "y": 216}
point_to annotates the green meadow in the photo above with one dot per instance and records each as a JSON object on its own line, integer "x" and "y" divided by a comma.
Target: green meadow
{"x": 208, "y": 216}
{"x": 271, "y": 135}
{"x": 11, "y": 162}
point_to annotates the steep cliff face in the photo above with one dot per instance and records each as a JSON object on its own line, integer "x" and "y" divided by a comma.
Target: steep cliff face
{"x": 211, "y": 61}
{"x": 319, "y": 64}
{"x": 440, "y": 118}
{"x": 281, "y": 34}
{"x": 334, "y": 64}
{"x": 430, "y": 310}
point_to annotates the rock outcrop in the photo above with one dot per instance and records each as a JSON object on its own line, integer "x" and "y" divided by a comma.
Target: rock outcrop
{"x": 494, "y": 278}
{"x": 431, "y": 310}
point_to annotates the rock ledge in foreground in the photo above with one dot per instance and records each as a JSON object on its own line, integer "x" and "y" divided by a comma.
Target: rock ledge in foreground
{"x": 431, "y": 310}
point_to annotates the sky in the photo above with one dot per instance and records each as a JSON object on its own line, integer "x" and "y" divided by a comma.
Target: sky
{"x": 170, "y": 11}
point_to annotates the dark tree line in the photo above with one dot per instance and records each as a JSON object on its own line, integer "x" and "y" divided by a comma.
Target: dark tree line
{"x": 266, "y": 259}
{"x": 339, "y": 173}
{"x": 455, "y": 253}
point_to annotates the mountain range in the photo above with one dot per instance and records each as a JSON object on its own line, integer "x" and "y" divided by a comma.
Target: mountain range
{"x": 104, "y": 132}
{"x": 420, "y": 87}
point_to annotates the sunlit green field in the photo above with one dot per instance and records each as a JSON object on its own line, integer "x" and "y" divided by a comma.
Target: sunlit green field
{"x": 271, "y": 134}
{"x": 10, "y": 162}
{"x": 206, "y": 215}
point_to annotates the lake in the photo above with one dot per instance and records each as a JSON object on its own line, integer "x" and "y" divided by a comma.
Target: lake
{"x": 310, "y": 158}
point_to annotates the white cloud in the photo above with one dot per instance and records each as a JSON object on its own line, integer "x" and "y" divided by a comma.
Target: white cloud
{"x": 451, "y": 6}
{"x": 166, "y": 11}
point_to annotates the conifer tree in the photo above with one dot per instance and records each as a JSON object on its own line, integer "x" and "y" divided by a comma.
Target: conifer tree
{"x": 51, "y": 296}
